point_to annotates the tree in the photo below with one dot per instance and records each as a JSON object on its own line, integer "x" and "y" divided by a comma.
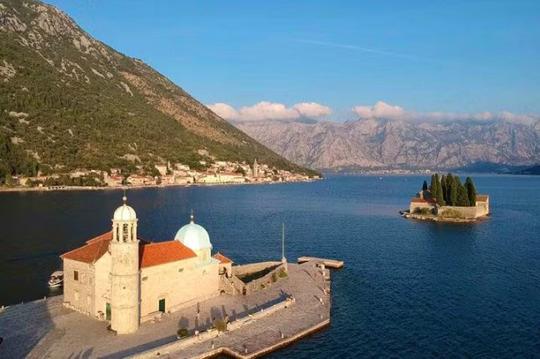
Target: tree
{"x": 439, "y": 192}
{"x": 443, "y": 188}
{"x": 424, "y": 186}
{"x": 471, "y": 191}
{"x": 448, "y": 187}
{"x": 462, "y": 197}
{"x": 453, "y": 190}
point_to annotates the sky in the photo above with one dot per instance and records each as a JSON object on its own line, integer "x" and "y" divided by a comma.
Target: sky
{"x": 332, "y": 59}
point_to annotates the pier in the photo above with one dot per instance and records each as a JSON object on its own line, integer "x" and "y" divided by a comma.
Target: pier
{"x": 330, "y": 263}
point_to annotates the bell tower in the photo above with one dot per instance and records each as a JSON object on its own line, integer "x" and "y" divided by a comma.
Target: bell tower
{"x": 125, "y": 275}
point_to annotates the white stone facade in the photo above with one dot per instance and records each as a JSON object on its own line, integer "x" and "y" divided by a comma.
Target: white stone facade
{"x": 118, "y": 278}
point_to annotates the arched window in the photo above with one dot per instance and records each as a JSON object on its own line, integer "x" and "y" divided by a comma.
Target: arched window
{"x": 125, "y": 232}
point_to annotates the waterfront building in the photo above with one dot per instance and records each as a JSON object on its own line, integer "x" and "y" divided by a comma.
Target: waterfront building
{"x": 126, "y": 280}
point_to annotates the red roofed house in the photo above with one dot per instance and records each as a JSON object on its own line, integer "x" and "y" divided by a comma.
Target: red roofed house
{"x": 122, "y": 279}
{"x": 422, "y": 200}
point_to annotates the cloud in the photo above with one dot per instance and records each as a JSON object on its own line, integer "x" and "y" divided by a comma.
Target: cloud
{"x": 380, "y": 110}
{"x": 383, "y": 110}
{"x": 265, "y": 110}
{"x": 223, "y": 110}
{"x": 312, "y": 109}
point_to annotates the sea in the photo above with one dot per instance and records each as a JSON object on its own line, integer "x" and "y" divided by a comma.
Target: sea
{"x": 409, "y": 289}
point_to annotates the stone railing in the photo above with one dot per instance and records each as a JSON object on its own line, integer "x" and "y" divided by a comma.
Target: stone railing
{"x": 213, "y": 333}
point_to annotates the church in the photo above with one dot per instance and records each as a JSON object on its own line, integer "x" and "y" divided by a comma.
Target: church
{"x": 123, "y": 279}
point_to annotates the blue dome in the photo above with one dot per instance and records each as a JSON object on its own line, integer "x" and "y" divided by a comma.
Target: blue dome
{"x": 194, "y": 236}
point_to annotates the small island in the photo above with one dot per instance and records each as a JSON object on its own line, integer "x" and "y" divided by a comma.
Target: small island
{"x": 447, "y": 199}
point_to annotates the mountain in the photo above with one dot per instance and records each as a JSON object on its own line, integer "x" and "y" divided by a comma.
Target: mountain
{"x": 533, "y": 170}
{"x": 399, "y": 144}
{"x": 68, "y": 101}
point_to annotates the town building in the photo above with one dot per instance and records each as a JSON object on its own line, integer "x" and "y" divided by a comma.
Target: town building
{"x": 126, "y": 280}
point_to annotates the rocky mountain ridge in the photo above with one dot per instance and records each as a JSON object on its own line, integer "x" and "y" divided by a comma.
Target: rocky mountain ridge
{"x": 399, "y": 144}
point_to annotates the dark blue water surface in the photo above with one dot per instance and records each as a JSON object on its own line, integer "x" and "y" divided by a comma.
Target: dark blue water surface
{"x": 409, "y": 289}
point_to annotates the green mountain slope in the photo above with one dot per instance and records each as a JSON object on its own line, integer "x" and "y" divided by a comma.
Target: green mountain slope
{"x": 68, "y": 101}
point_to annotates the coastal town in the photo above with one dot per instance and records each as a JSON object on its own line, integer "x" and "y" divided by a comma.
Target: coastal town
{"x": 160, "y": 175}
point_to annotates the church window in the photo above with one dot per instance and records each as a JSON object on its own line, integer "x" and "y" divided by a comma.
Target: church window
{"x": 76, "y": 275}
{"x": 144, "y": 278}
{"x": 180, "y": 270}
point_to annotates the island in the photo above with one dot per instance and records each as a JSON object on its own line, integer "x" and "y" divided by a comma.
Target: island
{"x": 447, "y": 199}
{"x": 125, "y": 296}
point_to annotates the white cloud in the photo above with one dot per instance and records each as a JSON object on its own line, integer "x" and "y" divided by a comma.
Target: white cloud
{"x": 380, "y": 110}
{"x": 223, "y": 110}
{"x": 312, "y": 109}
{"x": 265, "y": 110}
{"x": 383, "y": 110}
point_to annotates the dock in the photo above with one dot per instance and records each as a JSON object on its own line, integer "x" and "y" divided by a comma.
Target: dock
{"x": 330, "y": 263}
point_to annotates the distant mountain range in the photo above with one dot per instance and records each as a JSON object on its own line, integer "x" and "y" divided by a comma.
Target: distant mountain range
{"x": 370, "y": 144}
{"x": 68, "y": 101}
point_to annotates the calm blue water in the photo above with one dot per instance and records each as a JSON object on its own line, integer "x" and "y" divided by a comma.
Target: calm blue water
{"x": 409, "y": 289}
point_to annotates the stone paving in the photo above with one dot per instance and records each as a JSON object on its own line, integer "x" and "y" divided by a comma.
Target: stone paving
{"x": 45, "y": 329}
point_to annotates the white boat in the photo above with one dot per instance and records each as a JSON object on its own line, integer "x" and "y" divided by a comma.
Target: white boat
{"x": 57, "y": 279}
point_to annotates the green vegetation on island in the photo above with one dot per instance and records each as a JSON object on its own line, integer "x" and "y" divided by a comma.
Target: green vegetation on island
{"x": 447, "y": 190}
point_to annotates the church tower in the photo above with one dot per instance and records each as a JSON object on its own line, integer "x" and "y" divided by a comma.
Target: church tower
{"x": 255, "y": 169}
{"x": 125, "y": 276}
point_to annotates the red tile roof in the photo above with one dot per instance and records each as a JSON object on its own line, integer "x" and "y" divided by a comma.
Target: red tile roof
{"x": 482, "y": 197}
{"x": 153, "y": 254}
{"x": 150, "y": 254}
{"x": 92, "y": 250}
{"x": 222, "y": 259}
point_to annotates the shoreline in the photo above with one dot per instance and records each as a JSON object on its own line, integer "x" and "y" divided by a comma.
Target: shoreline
{"x": 437, "y": 219}
{"x": 129, "y": 187}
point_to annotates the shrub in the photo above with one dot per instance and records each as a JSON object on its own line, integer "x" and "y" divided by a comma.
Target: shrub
{"x": 451, "y": 213}
{"x": 282, "y": 273}
{"x": 423, "y": 211}
{"x": 220, "y": 325}
{"x": 182, "y": 332}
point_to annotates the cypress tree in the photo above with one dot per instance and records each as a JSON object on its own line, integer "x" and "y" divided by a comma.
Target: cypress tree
{"x": 462, "y": 197}
{"x": 453, "y": 190}
{"x": 471, "y": 191}
{"x": 443, "y": 188}
{"x": 434, "y": 186}
{"x": 439, "y": 193}
{"x": 424, "y": 186}
{"x": 448, "y": 187}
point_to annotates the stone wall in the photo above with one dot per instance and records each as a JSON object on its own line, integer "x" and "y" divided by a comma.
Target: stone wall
{"x": 102, "y": 268}
{"x": 79, "y": 292}
{"x": 465, "y": 212}
{"x": 179, "y": 283}
{"x": 266, "y": 281}
{"x": 244, "y": 269}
